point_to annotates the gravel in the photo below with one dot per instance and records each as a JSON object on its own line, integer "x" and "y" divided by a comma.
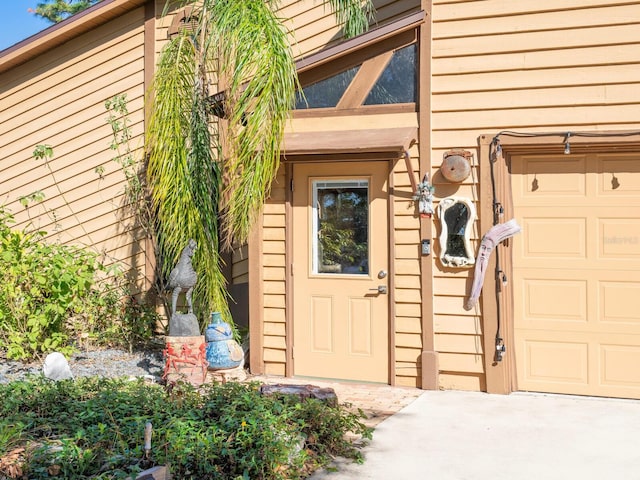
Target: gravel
{"x": 111, "y": 363}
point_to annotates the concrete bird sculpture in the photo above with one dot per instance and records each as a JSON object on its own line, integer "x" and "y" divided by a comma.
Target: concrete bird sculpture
{"x": 183, "y": 277}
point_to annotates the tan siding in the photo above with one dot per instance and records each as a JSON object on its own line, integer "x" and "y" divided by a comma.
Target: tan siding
{"x": 460, "y": 362}
{"x": 58, "y": 99}
{"x": 408, "y": 325}
{"x": 274, "y": 315}
{"x": 406, "y": 267}
{"x": 464, "y": 325}
{"x": 273, "y": 279}
{"x": 458, "y": 343}
{"x": 472, "y": 383}
{"x": 495, "y": 9}
{"x": 240, "y": 265}
{"x": 528, "y": 66}
{"x": 274, "y": 329}
{"x": 314, "y": 23}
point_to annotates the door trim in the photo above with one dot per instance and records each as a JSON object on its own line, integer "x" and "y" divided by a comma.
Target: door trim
{"x": 289, "y": 326}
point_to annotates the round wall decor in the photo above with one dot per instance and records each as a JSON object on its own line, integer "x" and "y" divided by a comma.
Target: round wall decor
{"x": 456, "y": 166}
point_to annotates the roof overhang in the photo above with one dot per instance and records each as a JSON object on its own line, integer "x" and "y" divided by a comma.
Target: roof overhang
{"x": 65, "y": 31}
{"x": 374, "y": 35}
{"x": 375, "y": 140}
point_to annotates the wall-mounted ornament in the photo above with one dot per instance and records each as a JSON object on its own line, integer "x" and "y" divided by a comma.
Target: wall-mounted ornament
{"x": 496, "y": 234}
{"x": 457, "y": 215}
{"x": 456, "y": 165}
{"x": 424, "y": 197}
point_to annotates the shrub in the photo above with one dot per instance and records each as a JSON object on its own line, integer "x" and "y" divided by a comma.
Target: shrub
{"x": 50, "y": 296}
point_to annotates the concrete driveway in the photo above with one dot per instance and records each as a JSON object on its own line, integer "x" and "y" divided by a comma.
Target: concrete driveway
{"x": 453, "y": 435}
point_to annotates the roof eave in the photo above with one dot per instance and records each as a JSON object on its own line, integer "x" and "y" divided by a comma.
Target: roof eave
{"x": 65, "y": 31}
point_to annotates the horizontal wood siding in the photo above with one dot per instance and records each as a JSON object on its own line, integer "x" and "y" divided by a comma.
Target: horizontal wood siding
{"x": 274, "y": 340}
{"x": 313, "y": 25}
{"x": 406, "y": 281}
{"x": 58, "y": 100}
{"x": 529, "y": 66}
{"x": 240, "y": 265}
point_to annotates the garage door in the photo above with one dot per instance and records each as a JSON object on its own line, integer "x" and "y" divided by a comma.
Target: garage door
{"x": 577, "y": 274}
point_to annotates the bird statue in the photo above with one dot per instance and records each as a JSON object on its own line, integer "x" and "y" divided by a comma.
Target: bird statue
{"x": 183, "y": 277}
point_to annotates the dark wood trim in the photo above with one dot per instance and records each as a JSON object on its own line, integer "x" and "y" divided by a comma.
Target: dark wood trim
{"x": 364, "y": 80}
{"x": 150, "y": 265}
{"x": 391, "y": 274}
{"x": 256, "y": 300}
{"x": 496, "y": 373}
{"x": 149, "y": 50}
{"x": 361, "y": 110}
{"x": 368, "y": 140}
{"x": 289, "y": 368}
{"x": 337, "y": 157}
{"x": 429, "y": 358}
{"x": 374, "y": 35}
{"x": 356, "y": 57}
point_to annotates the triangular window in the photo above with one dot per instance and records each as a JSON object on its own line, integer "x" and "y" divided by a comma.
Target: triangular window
{"x": 388, "y": 78}
{"x": 326, "y": 93}
{"x": 397, "y": 83}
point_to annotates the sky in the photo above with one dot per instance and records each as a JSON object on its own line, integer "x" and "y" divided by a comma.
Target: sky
{"x": 16, "y": 23}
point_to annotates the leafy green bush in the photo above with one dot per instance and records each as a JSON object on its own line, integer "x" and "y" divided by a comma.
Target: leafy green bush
{"x": 93, "y": 428}
{"x": 50, "y": 297}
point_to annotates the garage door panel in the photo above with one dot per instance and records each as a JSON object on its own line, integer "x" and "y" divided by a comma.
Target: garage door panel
{"x": 615, "y": 363}
{"x": 620, "y": 238}
{"x": 619, "y": 302}
{"x": 557, "y": 361}
{"x": 555, "y": 300}
{"x": 538, "y": 177}
{"x": 619, "y": 176}
{"x": 554, "y": 237}
{"x": 576, "y": 269}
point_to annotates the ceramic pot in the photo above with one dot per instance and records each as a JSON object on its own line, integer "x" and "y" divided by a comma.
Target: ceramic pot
{"x": 223, "y": 352}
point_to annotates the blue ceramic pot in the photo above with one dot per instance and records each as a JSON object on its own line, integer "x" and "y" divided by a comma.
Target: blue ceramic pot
{"x": 222, "y": 350}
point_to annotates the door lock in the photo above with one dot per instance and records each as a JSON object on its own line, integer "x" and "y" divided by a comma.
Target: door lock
{"x": 381, "y": 289}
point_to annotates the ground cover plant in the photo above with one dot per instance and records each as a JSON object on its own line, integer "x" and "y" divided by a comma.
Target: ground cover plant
{"x": 94, "y": 428}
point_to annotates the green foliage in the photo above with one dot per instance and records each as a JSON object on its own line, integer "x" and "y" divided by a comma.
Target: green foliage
{"x": 11, "y": 435}
{"x": 93, "y": 428}
{"x": 135, "y": 188}
{"x": 354, "y": 15}
{"x": 50, "y": 297}
{"x": 57, "y": 10}
{"x": 183, "y": 177}
{"x": 211, "y": 165}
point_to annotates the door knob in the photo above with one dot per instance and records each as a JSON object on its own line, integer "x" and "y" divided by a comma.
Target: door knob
{"x": 382, "y": 274}
{"x": 381, "y": 289}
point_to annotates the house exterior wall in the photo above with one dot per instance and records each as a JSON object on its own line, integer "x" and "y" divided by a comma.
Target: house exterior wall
{"x": 406, "y": 344}
{"x": 406, "y": 270}
{"x": 273, "y": 262}
{"x": 315, "y": 28}
{"x": 58, "y": 99}
{"x": 313, "y": 23}
{"x": 533, "y": 66}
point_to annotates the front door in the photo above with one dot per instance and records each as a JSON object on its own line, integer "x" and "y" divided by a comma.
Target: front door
{"x": 340, "y": 263}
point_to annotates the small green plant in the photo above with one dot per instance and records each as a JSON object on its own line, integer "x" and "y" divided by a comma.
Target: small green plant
{"x": 93, "y": 428}
{"x": 53, "y": 294}
{"x": 119, "y": 121}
